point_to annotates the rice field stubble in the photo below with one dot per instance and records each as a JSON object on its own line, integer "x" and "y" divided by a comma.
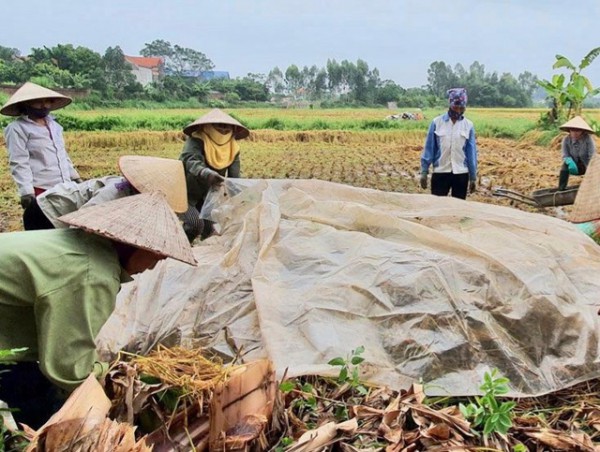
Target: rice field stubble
{"x": 384, "y": 160}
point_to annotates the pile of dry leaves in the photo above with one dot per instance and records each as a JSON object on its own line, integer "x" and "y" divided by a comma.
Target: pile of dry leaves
{"x": 181, "y": 400}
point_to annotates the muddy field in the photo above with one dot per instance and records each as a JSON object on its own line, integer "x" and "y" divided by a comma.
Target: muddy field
{"x": 387, "y": 160}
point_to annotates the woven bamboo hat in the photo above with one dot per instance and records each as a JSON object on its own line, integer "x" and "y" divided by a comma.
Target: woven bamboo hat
{"x": 145, "y": 221}
{"x": 31, "y": 91}
{"x": 157, "y": 174}
{"x": 576, "y": 123}
{"x": 587, "y": 202}
{"x": 217, "y": 116}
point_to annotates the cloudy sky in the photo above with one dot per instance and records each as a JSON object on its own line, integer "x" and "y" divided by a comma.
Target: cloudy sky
{"x": 399, "y": 37}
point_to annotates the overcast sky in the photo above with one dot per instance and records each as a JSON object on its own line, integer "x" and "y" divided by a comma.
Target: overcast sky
{"x": 399, "y": 37}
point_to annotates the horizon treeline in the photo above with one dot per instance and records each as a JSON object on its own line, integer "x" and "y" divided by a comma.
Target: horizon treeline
{"x": 337, "y": 84}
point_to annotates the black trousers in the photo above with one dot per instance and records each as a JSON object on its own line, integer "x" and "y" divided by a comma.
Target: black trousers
{"x": 455, "y": 184}
{"x": 24, "y": 388}
{"x": 34, "y": 219}
{"x": 563, "y": 176}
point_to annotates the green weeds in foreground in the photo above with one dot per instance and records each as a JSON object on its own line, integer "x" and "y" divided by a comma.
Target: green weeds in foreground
{"x": 10, "y": 441}
{"x": 488, "y": 412}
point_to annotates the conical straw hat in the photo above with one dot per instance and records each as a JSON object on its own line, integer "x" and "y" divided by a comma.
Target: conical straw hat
{"x": 31, "y": 91}
{"x": 157, "y": 174}
{"x": 145, "y": 221}
{"x": 587, "y": 202}
{"x": 217, "y": 116}
{"x": 576, "y": 123}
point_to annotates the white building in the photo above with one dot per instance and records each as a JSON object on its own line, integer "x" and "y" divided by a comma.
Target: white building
{"x": 145, "y": 69}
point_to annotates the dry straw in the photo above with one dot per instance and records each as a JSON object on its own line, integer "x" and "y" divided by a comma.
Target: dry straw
{"x": 185, "y": 368}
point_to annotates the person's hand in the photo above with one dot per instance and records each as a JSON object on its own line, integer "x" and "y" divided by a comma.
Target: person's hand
{"x": 26, "y": 200}
{"x": 572, "y": 166}
{"x": 212, "y": 177}
{"x": 472, "y": 186}
{"x": 423, "y": 181}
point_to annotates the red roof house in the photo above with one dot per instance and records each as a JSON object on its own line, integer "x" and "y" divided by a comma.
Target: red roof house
{"x": 146, "y": 69}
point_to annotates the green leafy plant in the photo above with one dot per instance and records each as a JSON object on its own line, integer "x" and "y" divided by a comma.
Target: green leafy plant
{"x": 13, "y": 441}
{"x": 575, "y": 91}
{"x": 7, "y": 356}
{"x": 350, "y": 369}
{"x": 283, "y": 443}
{"x": 307, "y": 400}
{"x": 487, "y": 411}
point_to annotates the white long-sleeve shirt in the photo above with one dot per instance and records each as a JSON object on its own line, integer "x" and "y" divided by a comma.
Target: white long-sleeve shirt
{"x": 37, "y": 154}
{"x": 450, "y": 147}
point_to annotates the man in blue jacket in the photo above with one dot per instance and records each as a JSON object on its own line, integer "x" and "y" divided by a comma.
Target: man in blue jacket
{"x": 451, "y": 149}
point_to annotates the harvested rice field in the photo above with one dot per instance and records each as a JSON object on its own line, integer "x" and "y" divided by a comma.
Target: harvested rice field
{"x": 384, "y": 160}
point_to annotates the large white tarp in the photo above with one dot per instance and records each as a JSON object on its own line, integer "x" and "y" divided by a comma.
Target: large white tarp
{"x": 436, "y": 289}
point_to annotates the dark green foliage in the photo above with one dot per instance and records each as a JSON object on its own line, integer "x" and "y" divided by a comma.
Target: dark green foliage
{"x": 487, "y": 413}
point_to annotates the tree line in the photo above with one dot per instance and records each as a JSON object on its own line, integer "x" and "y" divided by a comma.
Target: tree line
{"x": 109, "y": 78}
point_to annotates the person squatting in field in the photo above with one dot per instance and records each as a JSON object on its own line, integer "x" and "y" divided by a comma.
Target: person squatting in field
{"x": 37, "y": 156}
{"x": 211, "y": 153}
{"x": 451, "y": 149}
{"x": 58, "y": 287}
{"x": 141, "y": 174}
{"x": 578, "y": 148}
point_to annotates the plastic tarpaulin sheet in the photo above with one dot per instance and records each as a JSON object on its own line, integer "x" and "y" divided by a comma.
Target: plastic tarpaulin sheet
{"x": 436, "y": 289}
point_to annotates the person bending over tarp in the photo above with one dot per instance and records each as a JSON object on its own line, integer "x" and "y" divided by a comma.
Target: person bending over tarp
{"x": 210, "y": 153}
{"x": 141, "y": 174}
{"x": 58, "y": 287}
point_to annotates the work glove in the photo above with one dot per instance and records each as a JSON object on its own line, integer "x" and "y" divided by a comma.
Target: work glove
{"x": 212, "y": 178}
{"x": 26, "y": 200}
{"x": 423, "y": 180}
{"x": 472, "y": 186}
{"x": 572, "y": 166}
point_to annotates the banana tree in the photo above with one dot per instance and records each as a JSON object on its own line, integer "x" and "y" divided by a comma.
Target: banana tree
{"x": 578, "y": 88}
{"x": 557, "y": 91}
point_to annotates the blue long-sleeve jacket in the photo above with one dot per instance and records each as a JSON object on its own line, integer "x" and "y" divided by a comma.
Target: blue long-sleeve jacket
{"x": 450, "y": 147}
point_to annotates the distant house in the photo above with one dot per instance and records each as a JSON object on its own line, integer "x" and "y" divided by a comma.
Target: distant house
{"x": 146, "y": 69}
{"x": 201, "y": 75}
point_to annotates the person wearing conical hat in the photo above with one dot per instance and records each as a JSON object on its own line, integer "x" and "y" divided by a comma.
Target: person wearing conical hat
{"x": 578, "y": 148}
{"x": 59, "y": 286}
{"x": 141, "y": 174}
{"x": 37, "y": 156}
{"x": 211, "y": 153}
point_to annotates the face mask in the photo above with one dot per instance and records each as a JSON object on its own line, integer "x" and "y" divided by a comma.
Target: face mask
{"x": 455, "y": 115}
{"x": 36, "y": 113}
